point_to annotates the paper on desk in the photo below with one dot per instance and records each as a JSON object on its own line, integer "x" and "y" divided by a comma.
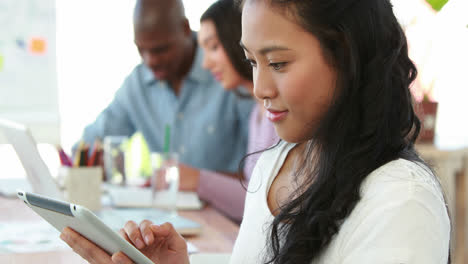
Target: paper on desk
{"x": 141, "y": 197}
{"x": 29, "y": 237}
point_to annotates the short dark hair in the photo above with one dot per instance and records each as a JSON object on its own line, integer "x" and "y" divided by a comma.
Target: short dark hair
{"x": 227, "y": 20}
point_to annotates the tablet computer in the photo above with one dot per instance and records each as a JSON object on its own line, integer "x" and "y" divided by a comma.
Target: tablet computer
{"x": 62, "y": 214}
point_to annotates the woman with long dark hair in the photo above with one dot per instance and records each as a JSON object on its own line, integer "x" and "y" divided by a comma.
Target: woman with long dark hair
{"x": 345, "y": 185}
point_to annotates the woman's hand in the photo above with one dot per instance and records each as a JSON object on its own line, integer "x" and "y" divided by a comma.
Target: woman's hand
{"x": 162, "y": 244}
{"x": 189, "y": 178}
{"x": 85, "y": 248}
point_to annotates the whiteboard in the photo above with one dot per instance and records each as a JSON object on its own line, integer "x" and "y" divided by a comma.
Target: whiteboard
{"x": 28, "y": 81}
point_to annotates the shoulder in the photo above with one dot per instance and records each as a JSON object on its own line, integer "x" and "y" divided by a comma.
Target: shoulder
{"x": 402, "y": 183}
{"x": 401, "y": 218}
{"x": 407, "y": 178}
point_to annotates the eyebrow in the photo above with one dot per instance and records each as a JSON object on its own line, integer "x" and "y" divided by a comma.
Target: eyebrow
{"x": 267, "y": 49}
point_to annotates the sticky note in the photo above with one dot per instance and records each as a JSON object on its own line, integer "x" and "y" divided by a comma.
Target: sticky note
{"x": 1, "y": 62}
{"x": 37, "y": 45}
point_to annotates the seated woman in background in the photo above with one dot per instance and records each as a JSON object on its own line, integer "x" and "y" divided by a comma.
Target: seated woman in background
{"x": 345, "y": 185}
{"x": 219, "y": 36}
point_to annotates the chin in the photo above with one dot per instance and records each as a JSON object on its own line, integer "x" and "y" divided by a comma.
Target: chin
{"x": 228, "y": 86}
{"x": 290, "y": 135}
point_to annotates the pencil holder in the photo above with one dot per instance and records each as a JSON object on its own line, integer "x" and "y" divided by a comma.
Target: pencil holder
{"x": 83, "y": 185}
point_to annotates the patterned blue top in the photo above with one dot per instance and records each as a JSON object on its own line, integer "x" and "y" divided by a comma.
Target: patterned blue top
{"x": 209, "y": 126}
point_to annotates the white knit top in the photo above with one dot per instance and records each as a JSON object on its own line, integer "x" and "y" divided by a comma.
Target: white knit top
{"x": 401, "y": 217}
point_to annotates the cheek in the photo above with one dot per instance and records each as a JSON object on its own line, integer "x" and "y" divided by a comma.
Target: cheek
{"x": 308, "y": 95}
{"x": 174, "y": 57}
{"x": 221, "y": 58}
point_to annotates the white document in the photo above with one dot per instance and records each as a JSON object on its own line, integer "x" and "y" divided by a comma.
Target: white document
{"x": 30, "y": 237}
{"x": 27, "y": 237}
{"x": 141, "y": 197}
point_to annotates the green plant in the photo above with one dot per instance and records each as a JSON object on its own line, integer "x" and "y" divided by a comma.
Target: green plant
{"x": 437, "y": 4}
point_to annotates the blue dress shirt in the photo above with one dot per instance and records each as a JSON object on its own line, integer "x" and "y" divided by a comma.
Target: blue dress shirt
{"x": 209, "y": 126}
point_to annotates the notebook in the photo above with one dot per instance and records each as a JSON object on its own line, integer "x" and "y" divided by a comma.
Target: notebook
{"x": 37, "y": 173}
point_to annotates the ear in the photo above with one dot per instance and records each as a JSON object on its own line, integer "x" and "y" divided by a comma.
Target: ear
{"x": 186, "y": 27}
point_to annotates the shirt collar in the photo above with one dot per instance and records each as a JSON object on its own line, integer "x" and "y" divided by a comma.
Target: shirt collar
{"x": 196, "y": 73}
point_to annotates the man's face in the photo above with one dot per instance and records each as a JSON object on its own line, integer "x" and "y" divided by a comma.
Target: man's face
{"x": 162, "y": 51}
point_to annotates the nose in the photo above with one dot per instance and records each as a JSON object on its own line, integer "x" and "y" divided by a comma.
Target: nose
{"x": 264, "y": 86}
{"x": 150, "y": 59}
{"x": 207, "y": 62}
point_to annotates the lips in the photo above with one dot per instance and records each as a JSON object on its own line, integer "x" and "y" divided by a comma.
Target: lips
{"x": 159, "y": 72}
{"x": 275, "y": 116}
{"x": 217, "y": 76}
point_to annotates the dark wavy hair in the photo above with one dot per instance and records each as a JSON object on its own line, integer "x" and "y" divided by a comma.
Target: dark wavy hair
{"x": 227, "y": 20}
{"x": 370, "y": 122}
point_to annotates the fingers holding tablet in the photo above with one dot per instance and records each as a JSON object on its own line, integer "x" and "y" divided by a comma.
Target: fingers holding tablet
{"x": 84, "y": 232}
{"x": 163, "y": 244}
{"x": 85, "y": 248}
{"x": 146, "y": 232}
{"x": 133, "y": 232}
{"x": 121, "y": 258}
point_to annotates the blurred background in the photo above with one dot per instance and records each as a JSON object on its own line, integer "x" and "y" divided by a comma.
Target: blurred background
{"x": 62, "y": 61}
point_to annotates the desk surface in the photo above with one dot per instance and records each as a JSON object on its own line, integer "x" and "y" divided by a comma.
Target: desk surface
{"x": 218, "y": 235}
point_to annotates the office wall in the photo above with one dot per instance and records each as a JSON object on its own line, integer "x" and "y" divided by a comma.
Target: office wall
{"x": 28, "y": 80}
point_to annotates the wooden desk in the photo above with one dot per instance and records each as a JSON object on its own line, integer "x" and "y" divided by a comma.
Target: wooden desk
{"x": 218, "y": 235}
{"x": 452, "y": 169}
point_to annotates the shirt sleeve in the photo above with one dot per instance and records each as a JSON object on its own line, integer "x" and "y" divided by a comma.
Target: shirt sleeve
{"x": 399, "y": 229}
{"x": 223, "y": 192}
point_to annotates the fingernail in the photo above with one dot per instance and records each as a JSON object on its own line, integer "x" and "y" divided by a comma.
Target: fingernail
{"x": 147, "y": 239}
{"x": 139, "y": 243}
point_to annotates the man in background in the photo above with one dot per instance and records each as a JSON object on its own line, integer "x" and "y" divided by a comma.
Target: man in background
{"x": 170, "y": 87}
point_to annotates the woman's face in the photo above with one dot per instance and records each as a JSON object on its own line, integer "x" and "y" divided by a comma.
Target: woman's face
{"x": 215, "y": 58}
{"x": 289, "y": 70}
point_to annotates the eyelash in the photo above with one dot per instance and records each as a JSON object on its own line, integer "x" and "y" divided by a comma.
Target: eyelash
{"x": 252, "y": 63}
{"x": 277, "y": 66}
{"x": 214, "y": 47}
